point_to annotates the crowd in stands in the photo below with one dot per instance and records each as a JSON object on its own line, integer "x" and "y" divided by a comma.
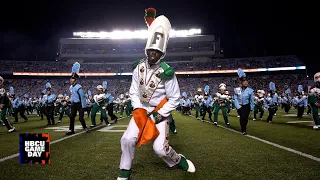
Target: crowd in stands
{"x": 133, "y": 48}
{"x": 178, "y": 63}
{"x": 117, "y": 86}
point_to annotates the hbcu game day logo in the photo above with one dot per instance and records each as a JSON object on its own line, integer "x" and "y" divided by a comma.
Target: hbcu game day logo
{"x": 34, "y": 148}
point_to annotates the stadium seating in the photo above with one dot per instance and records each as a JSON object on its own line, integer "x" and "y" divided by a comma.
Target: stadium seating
{"x": 178, "y": 63}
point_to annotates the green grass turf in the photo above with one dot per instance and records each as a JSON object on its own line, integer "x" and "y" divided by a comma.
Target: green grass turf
{"x": 217, "y": 153}
{"x": 298, "y": 136}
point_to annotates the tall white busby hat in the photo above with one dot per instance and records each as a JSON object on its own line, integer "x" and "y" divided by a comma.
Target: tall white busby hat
{"x": 100, "y": 87}
{"x": 158, "y": 32}
{"x": 222, "y": 86}
{"x": 1, "y": 81}
{"x": 2, "y": 90}
{"x": 316, "y": 78}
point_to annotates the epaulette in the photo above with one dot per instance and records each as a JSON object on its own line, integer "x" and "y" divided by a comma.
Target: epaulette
{"x": 168, "y": 72}
{"x": 136, "y": 63}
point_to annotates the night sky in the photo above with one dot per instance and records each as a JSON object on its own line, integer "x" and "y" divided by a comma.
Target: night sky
{"x": 246, "y": 28}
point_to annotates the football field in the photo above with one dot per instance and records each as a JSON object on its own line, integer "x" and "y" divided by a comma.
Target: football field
{"x": 288, "y": 148}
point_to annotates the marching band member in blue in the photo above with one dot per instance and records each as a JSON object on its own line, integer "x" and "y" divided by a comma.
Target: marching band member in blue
{"x": 77, "y": 99}
{"x": 188, "y": 102}
{"x": 90, "y": 102}
{"x": 301, "y": 102}
{"x": 272, "y": 102}
{"x": 243, "y": 101}
{"x": 107, "y": 101}
{"x": 110, "y": 107}
{"x": 286, "y": 99}
{"x": 191, "y": 103}
{"x": 183, "y": 103}
{"x": 27, "y": 104}
{"x": 18, "y": 106}
{"x": 49, "y": 99}
{"x": 207, "y": 103}
{"x": 43, "y": 104}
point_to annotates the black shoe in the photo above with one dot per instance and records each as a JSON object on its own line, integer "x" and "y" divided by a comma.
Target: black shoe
{"x": 92, "y": 125}
{"x": 70, "y": 132}
{"x": 87, "y": 130}
{"x": 244, "y": 133}
{"x": 116, "y": 120}
{"x": 48, "y": 124}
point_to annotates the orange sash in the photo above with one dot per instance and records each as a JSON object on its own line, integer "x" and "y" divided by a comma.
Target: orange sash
{"x": 147, "y": 128}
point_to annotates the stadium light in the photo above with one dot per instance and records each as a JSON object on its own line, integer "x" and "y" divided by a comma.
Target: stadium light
{"x": 140, "y": 34}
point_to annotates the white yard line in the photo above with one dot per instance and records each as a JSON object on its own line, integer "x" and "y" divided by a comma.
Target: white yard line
{"x": 270, "y": 143}
{"x": 58, "y": 140}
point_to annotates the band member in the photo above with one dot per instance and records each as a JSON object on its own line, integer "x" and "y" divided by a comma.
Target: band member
{"x": 78, "y": 100}
{"x": 49, "y": 99}
{"x": 243, "y": 101}
{"x": 272, "y": 102}
{"x": 153, "y": 81}
{"x": 314, "y": 100}
{"x": 4, "y": 106}
{"x": 259, "y": 103}
{"x": 221, "y": 99}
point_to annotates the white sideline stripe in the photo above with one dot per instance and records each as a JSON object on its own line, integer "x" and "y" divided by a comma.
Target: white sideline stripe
{"x": 294, "y": 122}
{"x": 58, "y": 140}
{"x": 270, "y": 143}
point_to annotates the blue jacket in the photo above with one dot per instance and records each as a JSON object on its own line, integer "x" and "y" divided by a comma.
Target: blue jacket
{"x": 77, "y": 95}
{"x": 243, "y": 97}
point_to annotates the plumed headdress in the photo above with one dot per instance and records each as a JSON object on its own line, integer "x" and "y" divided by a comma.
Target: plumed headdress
{"x": 222, "y": 86}
{"x": 206, "y": 90}
{"x": 11, "y": 91}
{"x": 104, "y": 84}
{"x": 48, "y": 85}
{"x": 241, "y": 75}
{"x": 288, "y": 91}
{"x": 272, "y": 87}
{"x": 300, "y": 90}
{"x": 184, "y": 94}
{"x": 75, "y": 70}
{"x": 150, "y": 15}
